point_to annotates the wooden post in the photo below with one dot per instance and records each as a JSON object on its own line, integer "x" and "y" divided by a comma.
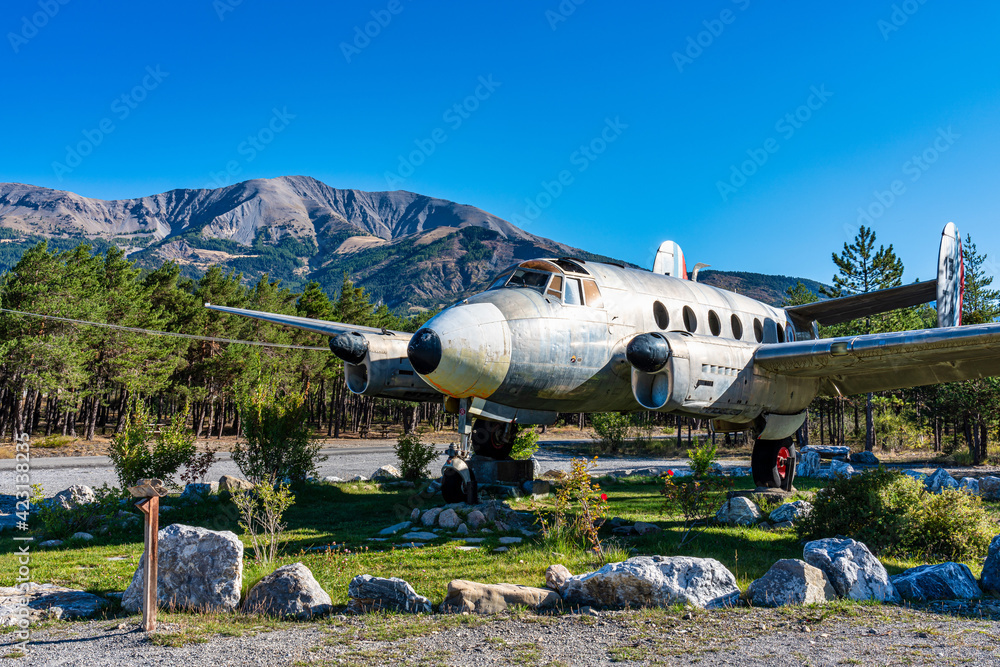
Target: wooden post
{"x": 150, "y": 507}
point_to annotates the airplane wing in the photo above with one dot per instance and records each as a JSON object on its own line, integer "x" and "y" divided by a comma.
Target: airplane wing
{"x": 881, "y": 362}
{"x": 316, "y": 326}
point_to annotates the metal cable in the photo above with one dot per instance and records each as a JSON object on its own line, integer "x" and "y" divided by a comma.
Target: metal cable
{"x": 163, "y": 333}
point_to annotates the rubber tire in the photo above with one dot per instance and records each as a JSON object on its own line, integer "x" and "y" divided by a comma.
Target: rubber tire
{"x": 764, "y": 464}
{"x": 488, "y": 440}
{"x": 786, "y": 483}
{"x": 451, "y": 488}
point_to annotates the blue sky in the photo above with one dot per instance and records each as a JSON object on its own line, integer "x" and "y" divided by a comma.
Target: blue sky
{"x": 751, "y": 133}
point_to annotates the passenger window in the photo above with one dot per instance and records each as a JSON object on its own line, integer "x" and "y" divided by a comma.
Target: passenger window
{"x": 555, "y": 287}
{"x": 758, "y": 330}
{"x": 737, "y": 327}
{"x": 690, "y": 320}
{"x": 713, "y": 323}
{"x": 660, "y": 315}
{"x": 594, "y": 298}
{"x": 781, "y": 334}
{"x": 574, "y": 292}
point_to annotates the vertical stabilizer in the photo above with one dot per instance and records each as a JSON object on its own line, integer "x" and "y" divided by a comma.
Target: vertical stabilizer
{"x": 950, "y": 278}
{"x": 670, "y": 260}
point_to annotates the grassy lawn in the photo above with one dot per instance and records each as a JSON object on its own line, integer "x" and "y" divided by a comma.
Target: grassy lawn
{"x": 340, "y": 519}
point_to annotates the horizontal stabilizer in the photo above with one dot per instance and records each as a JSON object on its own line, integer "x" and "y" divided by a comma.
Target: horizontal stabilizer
{"x": 847, "y": 308}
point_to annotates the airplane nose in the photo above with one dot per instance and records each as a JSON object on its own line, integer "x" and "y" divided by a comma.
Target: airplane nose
{"x": 424, "y": 351}
{"x": 464, "y": 351}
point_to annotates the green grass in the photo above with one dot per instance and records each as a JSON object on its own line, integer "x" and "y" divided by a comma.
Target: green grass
{"x": 343, "y": 516}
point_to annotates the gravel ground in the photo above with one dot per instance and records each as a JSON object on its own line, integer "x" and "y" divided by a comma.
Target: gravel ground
{"x": 851, "y": 635}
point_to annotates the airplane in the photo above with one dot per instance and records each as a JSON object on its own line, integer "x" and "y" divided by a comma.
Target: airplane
{"x": 567, "y": 335}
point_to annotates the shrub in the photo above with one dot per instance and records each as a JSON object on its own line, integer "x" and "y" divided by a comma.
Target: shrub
{"x": 276, "y": 441}
{"x": 612, "y": 429}
{"x": 58, "y": 522}
{"x": 261, "y": 510}
{"x": 580, "y": 509}
{"x": 132, "y": 457}
{"x": 702, "y": 458}
{"x": 694, "y": 499}
{"x": 893, "y": 513}
{"x": 525, "y": 444}
{"x": 414, "y": 456}
{"x": 197, "y": 467}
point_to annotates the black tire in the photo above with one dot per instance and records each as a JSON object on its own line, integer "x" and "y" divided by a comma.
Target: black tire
{"x": 451, "y": 488}
{"x": 492, "y": 440}
{"x": 767, "y": 470}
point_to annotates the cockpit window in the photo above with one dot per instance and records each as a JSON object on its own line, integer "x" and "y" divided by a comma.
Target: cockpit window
{"x": 574, "y": 292}
{"x": 531, "y": 279}
{"x": 500, "y": 281}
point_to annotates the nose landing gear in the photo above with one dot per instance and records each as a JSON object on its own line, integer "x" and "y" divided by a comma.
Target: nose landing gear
{"x": 493, "y": 440}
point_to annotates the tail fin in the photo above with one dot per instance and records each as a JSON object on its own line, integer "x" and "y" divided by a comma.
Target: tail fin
{"x": 670, "y": 260}
{"x": 950, "y": 278}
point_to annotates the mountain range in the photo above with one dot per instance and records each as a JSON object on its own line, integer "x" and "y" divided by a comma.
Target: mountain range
{"x": 407, "y": 250}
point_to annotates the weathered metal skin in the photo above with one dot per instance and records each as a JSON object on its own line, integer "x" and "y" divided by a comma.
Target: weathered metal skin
{"x": 386, "y": 371}
{"x": 565, "y": 357}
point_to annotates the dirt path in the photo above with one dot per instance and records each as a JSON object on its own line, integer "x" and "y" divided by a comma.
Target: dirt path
{"x": 840, "y": 635}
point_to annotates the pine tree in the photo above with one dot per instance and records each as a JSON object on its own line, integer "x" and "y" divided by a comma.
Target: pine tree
{"x": 981, "y": 304}
{"x": 798, "y": 295}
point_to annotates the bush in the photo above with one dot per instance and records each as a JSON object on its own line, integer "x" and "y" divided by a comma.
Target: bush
{"x": 132, "y": 457}
{"x": 525, "y": 444}
{"x": 893, "y": 513}
{"x": 702, "y": 458}
{"x": 261, "y": 510}
{"x": 612, "y": 430}
{"x": 414, "y": 456}
{"x": 58, "y": 522}
{"x": 580, "y": 509}
{"x": 694, "y": 499}
{"x": 277, "y": 444}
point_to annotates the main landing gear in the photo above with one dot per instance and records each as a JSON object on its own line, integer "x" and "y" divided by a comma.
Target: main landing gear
{"x": 772, "y": 463}
{"x": 492, "y": 440}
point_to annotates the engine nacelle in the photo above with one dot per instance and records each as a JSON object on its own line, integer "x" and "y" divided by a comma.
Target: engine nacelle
{"x": 710, "y": 376}
{"x": 376, "y": 365}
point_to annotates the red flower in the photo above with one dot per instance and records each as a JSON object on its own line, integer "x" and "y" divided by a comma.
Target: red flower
{"x": 670, "y": 473}
{"x": 604, "y": 496}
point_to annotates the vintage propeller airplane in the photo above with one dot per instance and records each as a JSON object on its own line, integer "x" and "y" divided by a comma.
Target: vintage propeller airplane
{"x": 568, "y": 335}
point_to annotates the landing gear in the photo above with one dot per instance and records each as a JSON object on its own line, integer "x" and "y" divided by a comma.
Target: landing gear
{"x": 773, "y": 463}
{"x": 492, "y": 440}
{"x": 455, "y": 488}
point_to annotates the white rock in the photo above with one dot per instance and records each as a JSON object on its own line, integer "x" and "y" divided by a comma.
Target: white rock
{"x": 556, "y": 576}
{"x": 199, "y": 569}
{"x": 738, "y": 511}
{"x": 943, "y": 581}
{"x": 50, "y": 543}
{"x": 370, "y": 593}
{"x": 808, "y": 464}
{"x": 359, "y": 478}
{"x": 989, "y": 487}
{"x": 970, "y": 484}
{"x": 462, "y": 530}
{"x": 841, "y": 469}
{"x": 510, "y": 540}
{"x": 85, "y": 537}
{"x": 449, "y": 519}
{"x": 73, "y": 497}
{"x": 800, "y": 509}
{"x": 791, "y": 581}
{"x": 655, "y": 581}
{"x": 415, "y": 514}
{"x": 475, "y": 519}
{"x": 392, "y": 530}
{"x": 919, "y": 476}
{"x": 332, "y": 479}
{"x": 939, "y": 480}
{"x": 990, "y": 581}
{"x": 45, "y": 601}
{"x": 429, "y": 518}
{"x": 420, "y": 536}
{"x": 852, "y": 569}
{"x": 386, "y": 474}
{"x": 200, "y": 489}
{"x": 289, "y": 591}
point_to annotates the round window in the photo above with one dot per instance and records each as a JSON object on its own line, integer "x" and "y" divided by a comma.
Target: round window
{"x": 660, "y": 315}
{"x": 758, "y": 330}
{"x": 690, "y": 321}
{"x": 713, "y": 323}
{"x": 737, "y": 325}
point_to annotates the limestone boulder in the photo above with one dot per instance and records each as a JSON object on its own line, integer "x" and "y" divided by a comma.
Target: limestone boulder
{"x": 990, "y": 581}
{"x": 73, "y": 497}
{"x": 475, "y": 519}
{"x": 989, "y": 487}
{"x": 556, "y": 576}
{"x": 793, "y": 512}
{"x": 46, "y": 601}
{"x": 429, "y": 518}
{"x": 808, "y": 464}
{"x": 290, "y": 591}
{"x": 791, "y": 581}
{"x": 201, "y": 490}
{"x": 386, "y": 474}
{"x": 840, "y": 468}
{"x": 939, "y": 480}
{"x": 230, "y": 484}
{"x": 368, "y": 593}
{"x": 473, "y": 597}
{"x": 942, "y": 581}
{"x": 449, "y": 519}
{"x": 738, "y": 511}
{"x": 852, "y": 569}
{"x": 915, "y": 474}
{"x": 866, "y": 458}
{"x": 828, "y": 451}
{"x": 392, "y": 530}
{"x": 969, "y": 485}
{"x": 199, "y": 569}
{"x": 643, "y": 528}
{"x": 655, "y": 581}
